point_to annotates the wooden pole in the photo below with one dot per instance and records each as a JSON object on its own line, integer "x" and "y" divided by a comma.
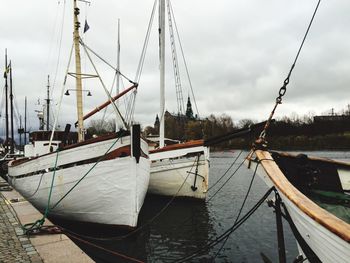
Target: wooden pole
{"x": 6, "y": 104}
{"x": 79, "y": 88}
{"x": 25, "y": 120}
{"x": 104, "y": 105}
{"x": 12, "y": 150}
{"x": 48, "y": 104}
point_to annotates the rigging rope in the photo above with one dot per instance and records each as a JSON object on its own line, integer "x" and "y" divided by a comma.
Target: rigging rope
{"x": 229, "y": 231}
{"x": 240, "y": 210}
{"x": 104, "y": 249}
{"x": 78, "y": 182}
{"x": 149, "y": 222}
{"x": 282, "y": 91}
{"x": 177, "y": 78}
{"x": 221, "y": 177}
{"x": 58, "y": 109}
{"x": 145, "y": 45}
{"x": 119, "y": 115}
{"x": 2, "y": 101}
{"x": 184, "y": 59}
{"x": 34, "y": 227}
{"x": 104, "y": 61}
{"x": 217, "y": 191}
{"x": 59, "y": 48}
{"x": 60, "y": 230}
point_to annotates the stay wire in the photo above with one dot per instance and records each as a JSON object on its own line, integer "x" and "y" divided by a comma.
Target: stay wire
{"x": 228, "y": 179}
{"x": 35, "y": 226}
{"x": 41, "y": 177}
{"x": 240, "y": 210}
{"x": 283, "y": 89}
{"x": 95, "y": 164}
{"x": 60, "y": 230}
{"x": 2, "y": 101}
{"x": 149, "y": 222}
{"x": 229, "y": 168}
{"x": 105, "y": 61}
{"x": 145, "y": 44}
{"x": 228, "y": 231}
{"x": 105, "y": 249}
{"x": 59, "y": 48}
{"x": 183, "y": 57}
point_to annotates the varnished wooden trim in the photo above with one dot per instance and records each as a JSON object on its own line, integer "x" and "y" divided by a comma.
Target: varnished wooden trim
{"x": 118, "y": 153}
{"x": 179, "y": 146}
{"x": 90, "y": 141}
{"x": 323, "y": 217}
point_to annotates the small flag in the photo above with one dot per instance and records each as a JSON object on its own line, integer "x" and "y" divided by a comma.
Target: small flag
{"x": 86, "y": 26}
{"x": 7, "y": 70}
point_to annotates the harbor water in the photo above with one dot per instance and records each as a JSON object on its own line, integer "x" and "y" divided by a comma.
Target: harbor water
{"x": 174, "y": 229}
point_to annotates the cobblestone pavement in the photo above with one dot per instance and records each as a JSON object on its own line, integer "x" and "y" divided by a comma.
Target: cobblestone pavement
{"x": 14, "y": 245}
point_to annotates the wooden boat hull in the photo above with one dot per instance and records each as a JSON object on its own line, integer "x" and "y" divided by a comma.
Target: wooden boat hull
{"x": 112, "y": 193}
{"x": 326, "y": 235}
{"x": 180, "y": 172}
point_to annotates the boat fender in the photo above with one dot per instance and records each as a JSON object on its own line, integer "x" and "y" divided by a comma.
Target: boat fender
{"x": 136, "y": 141}
{"x": 65, "y": 134}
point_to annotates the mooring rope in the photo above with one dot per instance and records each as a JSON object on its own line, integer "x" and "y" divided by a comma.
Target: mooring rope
{"x": 223, "y": 175}
{"x": 238, "y": 222}
{"x": 149, "y": 222}
{"x": 240, "y": 210}
{"x": 228, "y": 179}
{"x": 35, "y": 226}
{"x": 95, "y": 164}
{"x": 59, "y": 230}
{"x": 120, "y": 255}
{"x": 229, "y": 231}
{"x": 41, "y": 177}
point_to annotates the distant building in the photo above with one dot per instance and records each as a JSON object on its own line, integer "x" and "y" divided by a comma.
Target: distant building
{"x": 175, "y": 123}
{"x": 189, "y": 111}
{"x": 331, "y": 118}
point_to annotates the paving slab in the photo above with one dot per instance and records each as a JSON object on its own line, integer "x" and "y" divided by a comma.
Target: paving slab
{"x": 15, "y": 246}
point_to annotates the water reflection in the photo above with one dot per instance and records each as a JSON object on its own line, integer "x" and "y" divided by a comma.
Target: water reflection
{"x": 187, "y": 225}
{"x": 182, "y": 228}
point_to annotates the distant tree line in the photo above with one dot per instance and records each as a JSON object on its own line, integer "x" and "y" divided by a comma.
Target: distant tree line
{"x": 293, "y": 132}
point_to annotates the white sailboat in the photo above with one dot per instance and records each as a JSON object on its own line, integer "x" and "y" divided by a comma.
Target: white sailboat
{"x": 315, "y": 192}
{"x": 180, "y": 170}
{"x": 102, "y": 180}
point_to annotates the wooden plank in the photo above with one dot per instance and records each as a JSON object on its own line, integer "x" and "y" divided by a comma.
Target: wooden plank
{"x": 178, "y": 146}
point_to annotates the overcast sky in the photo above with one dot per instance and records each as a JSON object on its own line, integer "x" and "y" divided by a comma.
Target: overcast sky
{"x": 238, "y": 53}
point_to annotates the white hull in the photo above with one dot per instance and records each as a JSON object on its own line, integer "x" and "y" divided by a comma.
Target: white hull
{"x": 112, "y": 193}
{"x": 173, "y": 173}
{"x": 328, "y": 246}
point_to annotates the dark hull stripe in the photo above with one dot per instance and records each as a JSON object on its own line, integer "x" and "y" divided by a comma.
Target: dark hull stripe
{"x": 118, "y": 153}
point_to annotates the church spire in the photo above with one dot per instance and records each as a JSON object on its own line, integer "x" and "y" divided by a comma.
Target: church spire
{"x": 189, "y": 111}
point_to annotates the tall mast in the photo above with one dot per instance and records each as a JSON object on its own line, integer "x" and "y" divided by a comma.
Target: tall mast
{"x": 20, "y": 131}
{"x": 118, "y": 70}
{"x": 11, "y": 110}
{"x": 118, "y": 59}
{"x": 162, "y": 69}
{"x": 78, "y": 74}
{"x": 48, "y": 104}
{"x": 6, "y": 103}
{"x": 25, "y": 120}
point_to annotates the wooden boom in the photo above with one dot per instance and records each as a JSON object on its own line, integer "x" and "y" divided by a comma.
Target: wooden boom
{"x": 104, "y": 105}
